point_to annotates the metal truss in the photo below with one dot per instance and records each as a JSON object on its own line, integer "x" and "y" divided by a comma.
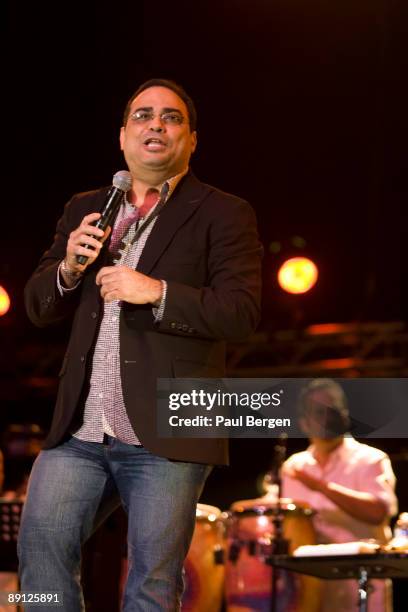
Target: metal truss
{"x": 347, "y": 350}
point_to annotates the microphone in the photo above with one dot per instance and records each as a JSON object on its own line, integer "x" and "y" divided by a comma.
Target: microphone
{"x": 280, "y": 454}
{"x": 273, "y": 476}
{"x": 121, "y": 183}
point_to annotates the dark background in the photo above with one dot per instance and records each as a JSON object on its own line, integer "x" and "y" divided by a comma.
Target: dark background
{"x": 302, "y": 110}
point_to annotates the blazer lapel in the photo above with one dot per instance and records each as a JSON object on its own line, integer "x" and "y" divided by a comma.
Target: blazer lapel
{"x": 182, "y": 204}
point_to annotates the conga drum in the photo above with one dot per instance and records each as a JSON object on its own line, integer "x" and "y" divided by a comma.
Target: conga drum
{"x": 248, "y": 576}
{"x": 203, "y": 570}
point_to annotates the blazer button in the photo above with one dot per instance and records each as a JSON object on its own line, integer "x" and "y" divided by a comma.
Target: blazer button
{"x": 172, "y": 325}
{"x": 179, "y": 327}
{"x": 185, "y": 328}
{"x": 190, "y": 330}
{"x": 94, "y": 314}
{"x": 82, "y": 358}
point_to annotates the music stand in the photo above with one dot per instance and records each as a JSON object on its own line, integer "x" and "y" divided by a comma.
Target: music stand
{"x": 10, "y": 513}
{"x": 341, "y": 567}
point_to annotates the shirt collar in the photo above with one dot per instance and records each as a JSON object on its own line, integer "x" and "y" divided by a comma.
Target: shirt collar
{"x": 172, "y": 183}
{"x": 348, "y": 444}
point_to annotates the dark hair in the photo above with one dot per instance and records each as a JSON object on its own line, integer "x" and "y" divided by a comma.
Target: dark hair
{"x": 173, "y": 86}
{"x": 338, "y": 409}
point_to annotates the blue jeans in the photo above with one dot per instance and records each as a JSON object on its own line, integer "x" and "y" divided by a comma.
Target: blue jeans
{"x": 70, "y": 487}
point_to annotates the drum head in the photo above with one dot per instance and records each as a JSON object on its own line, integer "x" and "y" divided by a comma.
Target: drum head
{"x": 266, "y": 506}
{"x": 204, "y": 512}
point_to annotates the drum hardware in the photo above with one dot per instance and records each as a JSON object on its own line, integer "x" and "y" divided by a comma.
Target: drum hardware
{"x": 262, "y": 548}
{"x": 280, "y": 545}
{"x": 259, "y": 530}
{"x": 361, "y": 567}
{"x": 234, "y": 551}
{"x": 250, "y": 547}
{"x": 219, "y": 555}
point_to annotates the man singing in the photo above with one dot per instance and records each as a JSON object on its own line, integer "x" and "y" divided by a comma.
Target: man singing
{"x": 159, "y": 296}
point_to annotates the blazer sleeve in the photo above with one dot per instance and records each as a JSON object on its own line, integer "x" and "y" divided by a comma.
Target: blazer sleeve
{"x": 44, "y": 304}
{"x": 228, "y": 307}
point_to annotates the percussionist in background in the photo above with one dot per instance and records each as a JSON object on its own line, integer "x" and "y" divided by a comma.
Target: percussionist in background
{"x": 349, "y": 484}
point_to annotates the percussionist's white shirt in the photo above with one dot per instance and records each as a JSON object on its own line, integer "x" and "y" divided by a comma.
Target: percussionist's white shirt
{"x": 362, "y": 468}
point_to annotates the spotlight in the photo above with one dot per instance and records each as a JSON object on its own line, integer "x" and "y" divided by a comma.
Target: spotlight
{"x": 4, "y": 301}
{"x": 297, "y": 275}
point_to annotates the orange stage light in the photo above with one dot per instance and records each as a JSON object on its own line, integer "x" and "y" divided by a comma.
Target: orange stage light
{"x": 297, "y": 275}
{"x": 4, "y": 301}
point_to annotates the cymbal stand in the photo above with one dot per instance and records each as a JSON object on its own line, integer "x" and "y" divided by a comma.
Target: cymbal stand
{"x": 280, "y": 545}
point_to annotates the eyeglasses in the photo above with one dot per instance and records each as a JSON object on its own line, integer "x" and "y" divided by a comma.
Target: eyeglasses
{"x": 167, "y": 117}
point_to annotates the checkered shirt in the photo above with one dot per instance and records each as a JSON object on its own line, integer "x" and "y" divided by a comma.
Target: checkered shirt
{"x": 105, "y": 410}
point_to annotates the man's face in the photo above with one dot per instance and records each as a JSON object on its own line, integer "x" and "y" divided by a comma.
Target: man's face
{"x": 321, "y": 420}
{"x": 155, "y": 148}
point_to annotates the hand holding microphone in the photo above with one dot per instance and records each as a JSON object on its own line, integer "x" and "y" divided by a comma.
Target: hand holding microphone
{"x": 85, "y": 242}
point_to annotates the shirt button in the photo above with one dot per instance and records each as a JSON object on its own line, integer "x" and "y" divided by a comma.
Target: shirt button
{"x": 94, "y": 315}
{"x": 115, "y": 318}
{"x": 100, "y": 395}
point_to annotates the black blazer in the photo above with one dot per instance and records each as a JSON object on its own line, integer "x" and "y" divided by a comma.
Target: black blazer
{"x": 205, "y": 245}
